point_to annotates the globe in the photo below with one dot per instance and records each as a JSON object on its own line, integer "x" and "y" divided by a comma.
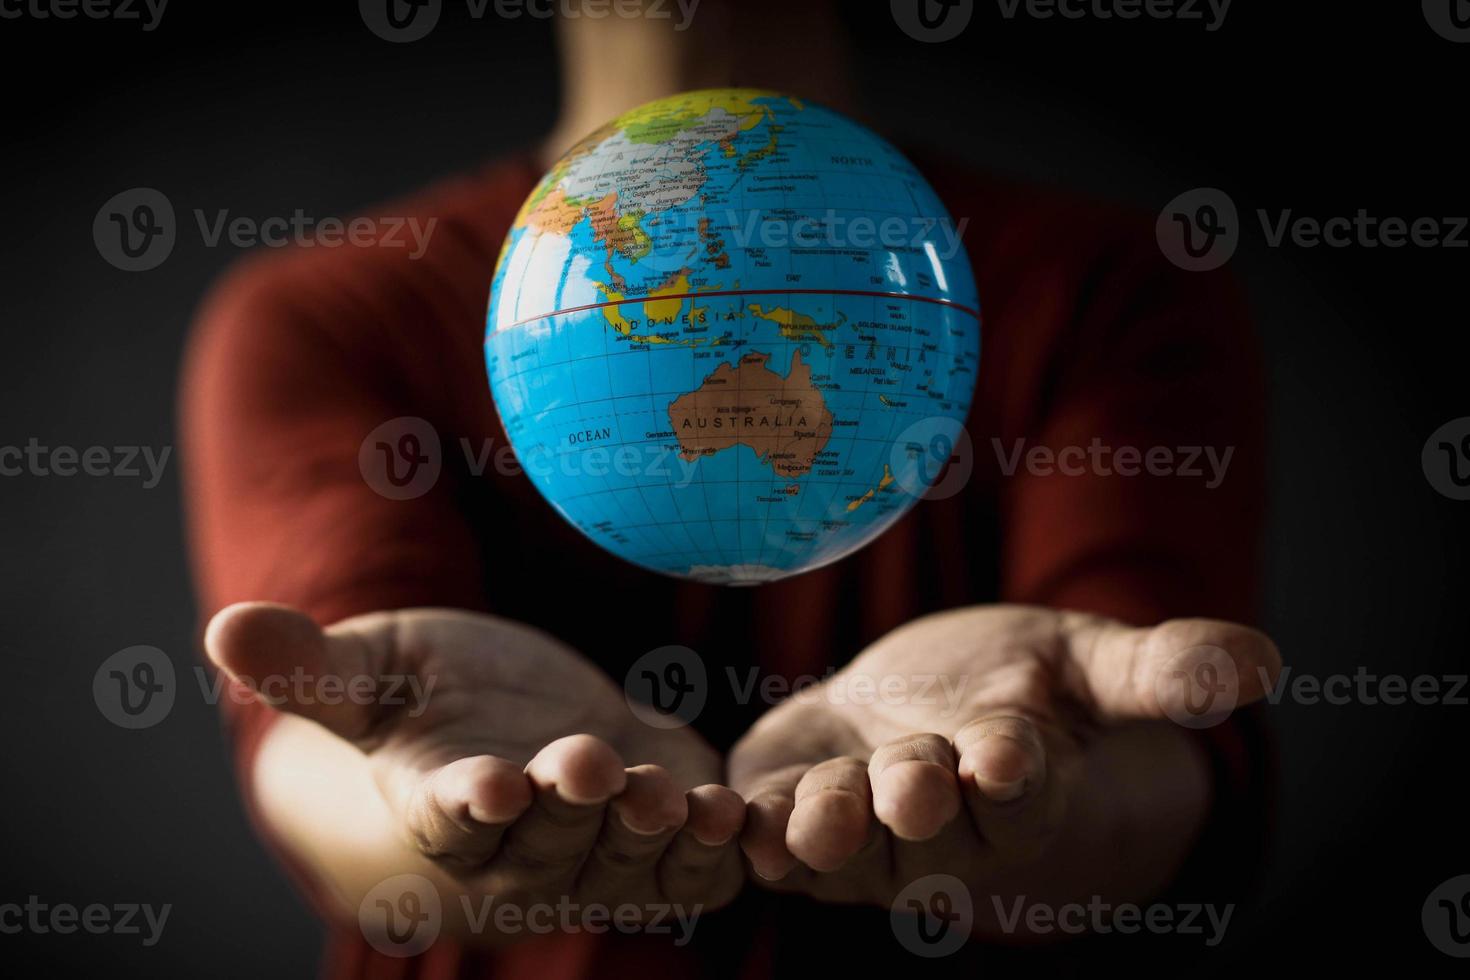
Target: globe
{"x": 733, "y": 336}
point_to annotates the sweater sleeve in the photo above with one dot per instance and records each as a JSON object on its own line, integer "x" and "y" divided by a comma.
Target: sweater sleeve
{"x": 290, "y": 367}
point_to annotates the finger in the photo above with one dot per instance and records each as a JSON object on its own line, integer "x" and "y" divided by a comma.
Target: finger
{"x": 833, "y": 815}
{"x": 703, "y": 862}
{"x": 1122, "y": 671}
{"x": 270, "y": 649}
{"x": 767, "y": 812}
{"x": 640, "y": 823}
{"x": 572, "y": 778}
{"x": 459, "y": 813}
{"x": 915, "y": 791}
{"x": 1011, "y": 790}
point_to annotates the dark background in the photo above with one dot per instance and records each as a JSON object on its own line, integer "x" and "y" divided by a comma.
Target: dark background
{"x": 264, "y": 108}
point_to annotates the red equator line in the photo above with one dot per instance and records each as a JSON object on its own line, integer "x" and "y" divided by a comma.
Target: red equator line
{"x": 749, "y": 292}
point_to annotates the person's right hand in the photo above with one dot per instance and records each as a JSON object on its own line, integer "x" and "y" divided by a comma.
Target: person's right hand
{"x": 525, "y": 776}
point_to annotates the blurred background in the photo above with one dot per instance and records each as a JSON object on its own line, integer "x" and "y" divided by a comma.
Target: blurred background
{"x": 263, "y": 109}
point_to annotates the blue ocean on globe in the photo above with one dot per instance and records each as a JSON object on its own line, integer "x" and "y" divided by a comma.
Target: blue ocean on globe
{"x": 733, "y": 336}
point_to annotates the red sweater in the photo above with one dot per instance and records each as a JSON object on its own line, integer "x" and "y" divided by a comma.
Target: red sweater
{"x": 1089, "y": 335}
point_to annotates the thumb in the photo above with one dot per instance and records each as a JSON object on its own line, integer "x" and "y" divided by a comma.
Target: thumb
{"x": 332, "y": 677}
{"x": 1193, "y": 671}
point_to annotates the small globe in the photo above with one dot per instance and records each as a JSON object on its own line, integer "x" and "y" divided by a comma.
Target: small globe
{"x": 733, "y": 336}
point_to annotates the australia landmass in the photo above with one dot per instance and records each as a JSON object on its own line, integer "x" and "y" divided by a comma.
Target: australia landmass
{"x": 784, "y": 420}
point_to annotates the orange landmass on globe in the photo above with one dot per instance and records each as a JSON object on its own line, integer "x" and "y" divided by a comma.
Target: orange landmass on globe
{"x": 554, "y": 213}
{"x": 617, "y": 232}
{"x": 784, "y": 420}
{"x": 882, "y": 485}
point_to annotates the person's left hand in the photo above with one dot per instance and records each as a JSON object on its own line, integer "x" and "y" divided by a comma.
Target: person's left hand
{"x": 955, "y": 743}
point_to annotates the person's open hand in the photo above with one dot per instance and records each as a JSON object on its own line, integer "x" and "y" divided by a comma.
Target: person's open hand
{"x": 510, "y": 761}
{"x": 955, "y": 744}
